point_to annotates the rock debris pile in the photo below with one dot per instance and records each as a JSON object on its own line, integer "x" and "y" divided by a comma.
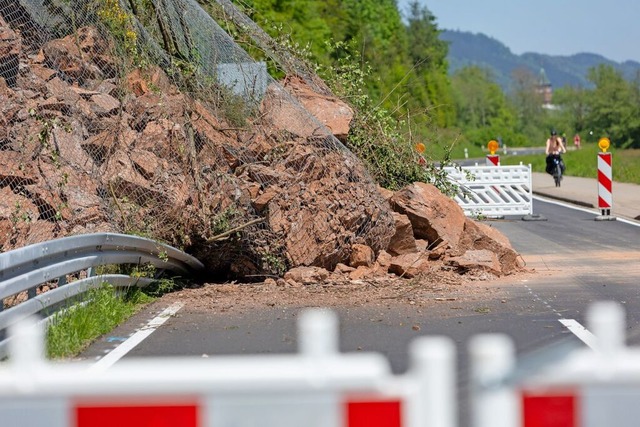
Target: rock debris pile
{"x": 86, "y": 147}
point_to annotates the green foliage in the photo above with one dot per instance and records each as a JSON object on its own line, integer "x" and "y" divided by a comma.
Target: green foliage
{"x": 527, "y": 103}
{"x": 101, "y": 309}
{"x": 573, "y": 115}
{"x": 408, "y": 73}
{"x": 119, "y": 23}
{"x": 162, "y": 286}
{"x": 428, "y": 83}
{"x": 73, "y": 330}
{"x": 223, "y": 221}
{"x": 375, "y": 137}
{"x": 274, "y": 264}
{"x": 483, "y": 111}
{"x": 614, "y": 107}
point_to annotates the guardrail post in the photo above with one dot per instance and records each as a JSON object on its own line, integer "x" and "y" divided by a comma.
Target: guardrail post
{"x": 433, "y": 367}
{"x": 493, "y": 404}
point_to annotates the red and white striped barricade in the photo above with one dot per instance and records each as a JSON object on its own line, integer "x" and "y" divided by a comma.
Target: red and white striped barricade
{"x": 605, "y": 181}
{"x": 587, "y": 388}
{"x": 316, "y": 387}
{"x": 493, "y": 160}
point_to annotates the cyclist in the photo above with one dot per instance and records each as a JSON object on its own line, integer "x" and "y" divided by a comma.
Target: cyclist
{"x": 554, "y": 150}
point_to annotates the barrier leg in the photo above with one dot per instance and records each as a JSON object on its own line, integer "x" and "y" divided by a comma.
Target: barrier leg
{"x": 607, "y": 322}
{"x": 318, "y": 332}
{"x": 433, "y": 366}
{"x": 493, "y": 404}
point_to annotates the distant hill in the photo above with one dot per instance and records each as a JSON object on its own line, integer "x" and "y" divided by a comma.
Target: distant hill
{"x": 467, "y": 48}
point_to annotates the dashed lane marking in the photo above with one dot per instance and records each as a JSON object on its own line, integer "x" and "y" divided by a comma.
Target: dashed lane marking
{"x": 572, "y": 325}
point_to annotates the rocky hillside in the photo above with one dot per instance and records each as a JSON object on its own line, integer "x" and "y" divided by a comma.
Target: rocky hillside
{"x": 85, "y": 147}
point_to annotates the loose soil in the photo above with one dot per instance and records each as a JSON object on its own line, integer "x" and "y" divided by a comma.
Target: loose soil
{"x": 425, "y": 290}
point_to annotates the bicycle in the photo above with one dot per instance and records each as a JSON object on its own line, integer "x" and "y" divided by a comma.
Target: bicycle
{"x": 557, "y": 169}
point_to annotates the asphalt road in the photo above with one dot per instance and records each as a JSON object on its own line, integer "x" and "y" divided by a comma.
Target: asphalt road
{"x": 576, "y": 261}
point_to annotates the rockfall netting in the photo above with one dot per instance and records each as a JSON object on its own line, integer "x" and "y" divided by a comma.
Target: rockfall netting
{"x": 146, "y": 117}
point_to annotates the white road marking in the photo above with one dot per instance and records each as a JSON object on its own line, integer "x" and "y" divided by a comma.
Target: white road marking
{"x": 580, "y": 331}
{"x": 583, "y": 209}
{"x": 128, "y": 345}
{"x": 572, "y": 325}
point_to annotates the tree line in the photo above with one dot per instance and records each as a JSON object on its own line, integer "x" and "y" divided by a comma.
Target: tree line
{"x": 403, "y": 67}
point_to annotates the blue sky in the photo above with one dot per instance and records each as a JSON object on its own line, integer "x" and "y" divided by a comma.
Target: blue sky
{"x": 610, "y": 28}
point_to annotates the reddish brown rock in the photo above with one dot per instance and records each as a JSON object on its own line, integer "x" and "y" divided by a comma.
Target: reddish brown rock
{"x": 10, "y": 47}
{"x": 104, "y": 104}
{"x": 6, "y": 231}
{"x": 147, "y": 164}
{"x": 361, "y": 255}
{"x": 479, "y": 236}
{"x": 281, "y": 111}
{"x": 307, "y": 275}
{"x": 137, "y": 83}
{"x": 476, "y": 260}
{"x": 332, "y": 112}
{"x": 410, "y": 265}
{"x": 402, "y": 242}
{"x": 16, "y": 168}
{"x": 261, "y": 201}
{"x": 80, "y": 56}
{"x": 100, "y": 146}
{"x": 361, "y": 272}
{"x": 433, "y": 216}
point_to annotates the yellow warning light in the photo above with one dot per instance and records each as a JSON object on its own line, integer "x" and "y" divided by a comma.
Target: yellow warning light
{"x": 420, "y": 147}
{"x": 604, "y": 144}
{"x": 493, "y": 146}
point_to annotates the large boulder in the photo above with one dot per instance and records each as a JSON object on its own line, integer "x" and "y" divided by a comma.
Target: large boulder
{"x": 403, "y": 241}
{"x": 332, "y": 112}
{"x": 480, "y": 236}
{"x": 434, "y": 217}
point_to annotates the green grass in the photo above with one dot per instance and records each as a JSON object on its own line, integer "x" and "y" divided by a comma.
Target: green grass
{"x": 75, "y": 328}
{"x": 584, "y": 163}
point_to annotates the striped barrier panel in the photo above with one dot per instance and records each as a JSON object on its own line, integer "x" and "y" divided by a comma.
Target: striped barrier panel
{"x": 493, "y": 191}
{"x": 585, "y": 388}
{"x": 493, "y": 160}
{"x": 316, "y": 387}
{"x": 605, "y": 180}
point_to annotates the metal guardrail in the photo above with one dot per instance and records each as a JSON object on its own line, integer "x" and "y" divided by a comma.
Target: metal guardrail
{"x": 26, "y": 268}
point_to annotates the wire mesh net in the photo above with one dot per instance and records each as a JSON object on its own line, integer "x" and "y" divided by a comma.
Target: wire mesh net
{"x": 148, "y": 118}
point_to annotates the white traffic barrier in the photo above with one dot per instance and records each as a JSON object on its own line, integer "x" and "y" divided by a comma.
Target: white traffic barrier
{"x": 317, "y": 387}
{"x": 493, "y": 191}
{"x": 586, "y": 388}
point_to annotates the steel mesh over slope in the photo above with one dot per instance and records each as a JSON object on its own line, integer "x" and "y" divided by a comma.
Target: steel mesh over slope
{"x": 150, "y": 119}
